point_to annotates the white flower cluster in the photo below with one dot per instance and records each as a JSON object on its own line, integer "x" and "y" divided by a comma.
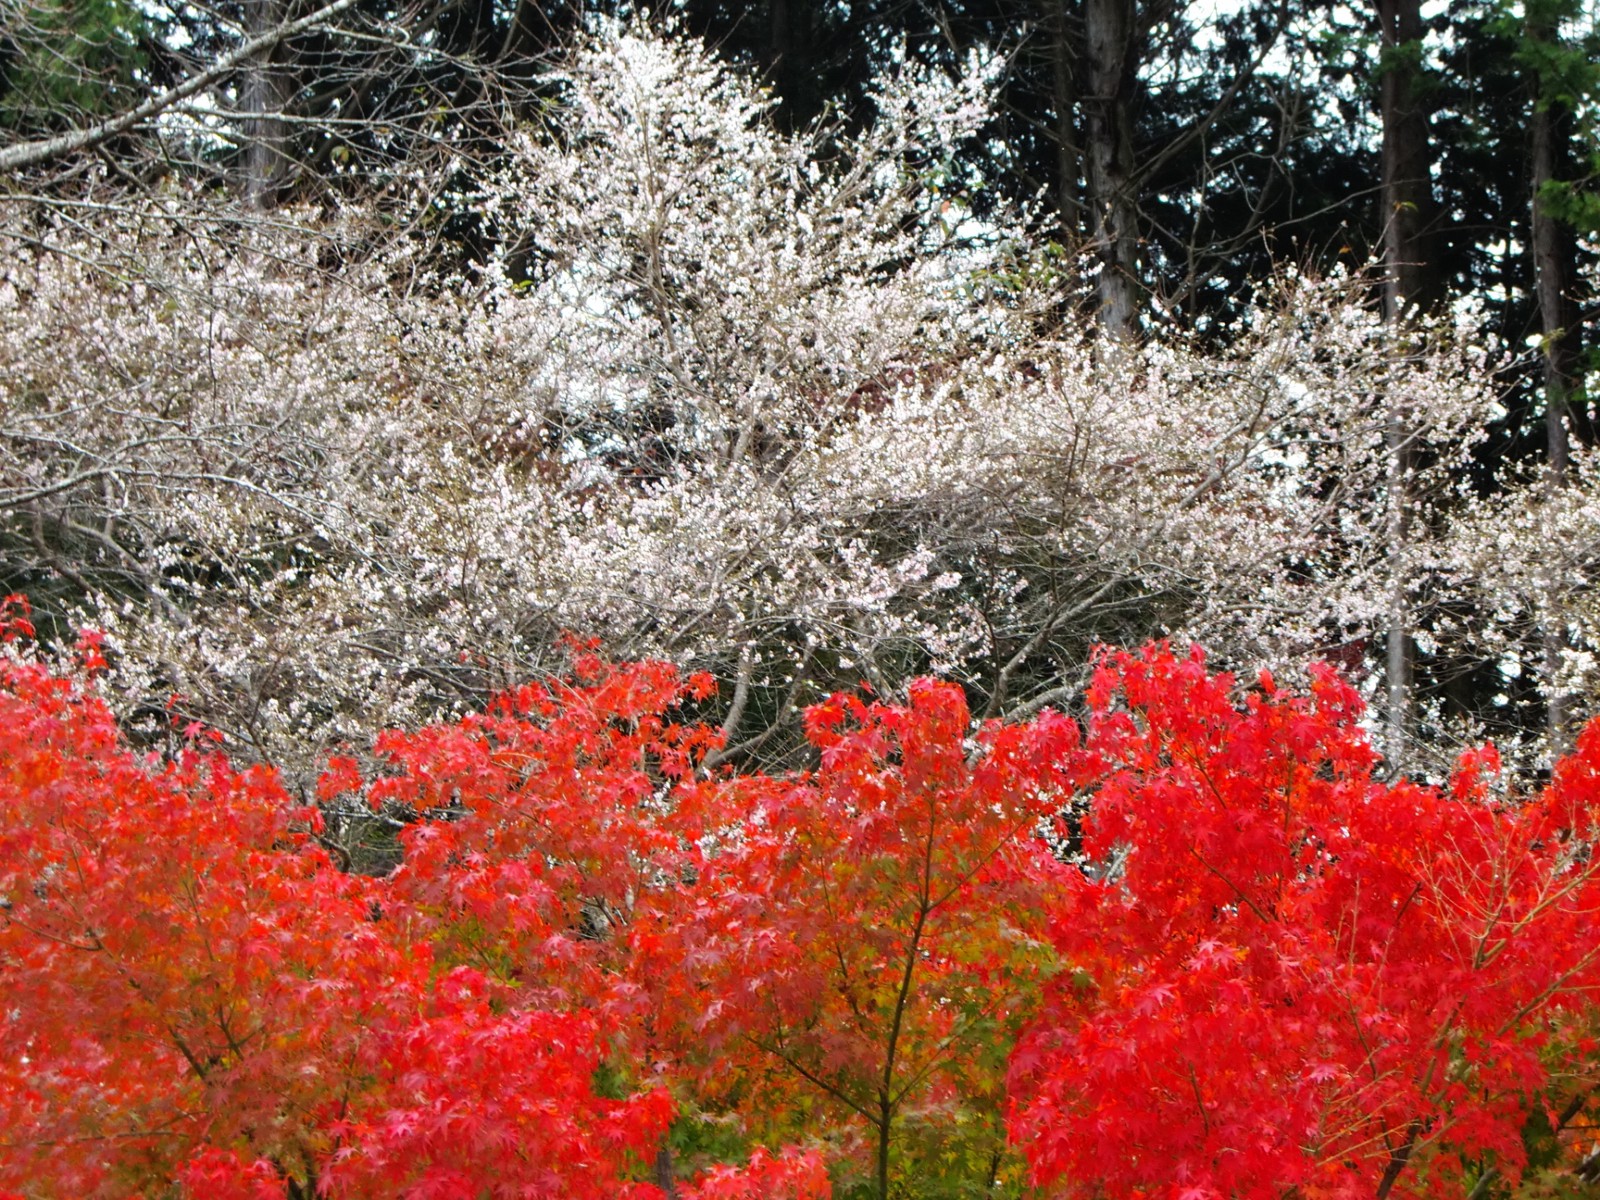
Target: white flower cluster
{"x": 719, "y": 394}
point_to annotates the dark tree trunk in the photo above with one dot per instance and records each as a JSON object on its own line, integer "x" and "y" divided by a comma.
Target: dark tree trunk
{"x": 1411, "y": 281}
{"x": 263, "y": 97}
{"x": 1411, "y": 278}
{"x": 1109, "y": 74}
{"x": 1554, "y": 249}
{"x": 885, "y": 1131}
{"x": 1059, "y": 20}
{"x": 666, "y": 1174}
{"x": 790, "y": 58}
{"x": 1555, "y": 272}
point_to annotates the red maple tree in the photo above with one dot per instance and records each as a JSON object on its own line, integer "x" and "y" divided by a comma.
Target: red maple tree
{"x": 1287, "y": 977}
{"x": 870, "y": 930}
{"x": 1273, "y": 973}
{"x": 193, "y": 994}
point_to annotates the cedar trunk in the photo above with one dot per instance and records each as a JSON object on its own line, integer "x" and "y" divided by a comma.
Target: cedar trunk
{"x": 263, "y": 97}
{"x": 1410, "y": 282}
{"x": 1554, "y": 271}
{"x": 1109, "y": 73}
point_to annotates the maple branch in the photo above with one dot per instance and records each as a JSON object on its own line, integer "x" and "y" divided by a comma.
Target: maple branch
{"x": 234, "y": 1043}
{"x": 984, "y": 860}
{"x": 188, "y": 1054}
{"x": 886, "y": 1101}
{"x": 93, "y": 947}
{"x": 166, "y": 1130}
{"x": 1397, "y": 1161}
{"x": 1395, "y": 926}
{"x": 942, "y": 1052}
{"x": 31, "y": 154}
{"x": 847, "y": 983}
{"x": 1555, "y": 986}
{"x": 1199, "y": 1100}
{"x": 1237, "y": 891}
{"x": 811, "y": 1077}
{"x": 130, "y": 978}
{"x": 1491, "y": 1172}
{"x": 1546, "y": 900}
{"x": 1192, "y": 758}
{"x": 133, "y": 983}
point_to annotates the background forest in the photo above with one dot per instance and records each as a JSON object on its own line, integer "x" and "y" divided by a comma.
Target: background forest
{"x": 640, "y": 494}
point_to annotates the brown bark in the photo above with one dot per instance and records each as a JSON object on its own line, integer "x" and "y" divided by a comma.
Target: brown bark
{"x": 1554, "y": 270}
{"x": 1109, "y": 73}
{"x": 1410, "y": 282}
{"x": 666, "y": 1175}
{"x": 1398, "y": 1158}
{"x": 1554, "y": 277}
{"x": 263, "y": 98}
{"x": 1064, "y": 97}
{"x": 1410, "y": 276}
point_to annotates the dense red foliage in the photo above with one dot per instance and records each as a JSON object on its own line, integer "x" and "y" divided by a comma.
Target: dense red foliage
{"x": 192, "y": 993}
{"x": 1275, "y": 973}
{"x": 1303, "y": 980}
{"x": 873, "y": 933}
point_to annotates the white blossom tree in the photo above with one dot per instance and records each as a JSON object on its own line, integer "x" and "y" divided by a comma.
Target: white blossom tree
{"x": 774, "y": 403}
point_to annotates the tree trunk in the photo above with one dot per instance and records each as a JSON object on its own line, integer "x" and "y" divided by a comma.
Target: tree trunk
{"x": 1064, "y": 97}
{"x": 1554, "y": 272}
{"x": 1410, "y": 281}
{"x": 1410, "y": 276}
{"x": 790, "y": 60}
{"x": 1109, "y": 74}
{"x": 666, "y": 1174}
{"x": 1398, "y": 647}
{"x": 885, "y": 1134}
{"x": 263, "y": 98}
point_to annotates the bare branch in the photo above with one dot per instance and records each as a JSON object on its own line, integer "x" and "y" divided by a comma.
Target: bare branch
{"x": 32, "y": 153}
